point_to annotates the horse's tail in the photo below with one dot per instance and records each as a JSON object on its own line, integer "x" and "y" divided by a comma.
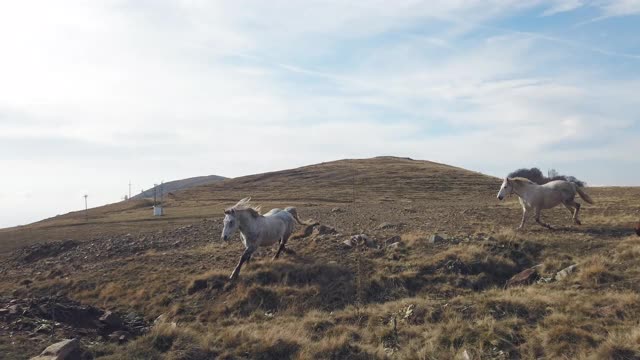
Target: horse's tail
{"x": 584, "y": 195}
{"x": 294, "y": 213}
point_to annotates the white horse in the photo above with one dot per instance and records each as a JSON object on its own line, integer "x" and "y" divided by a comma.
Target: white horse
{"x": 534, "y": 197}
{"x": 258, "y": 230}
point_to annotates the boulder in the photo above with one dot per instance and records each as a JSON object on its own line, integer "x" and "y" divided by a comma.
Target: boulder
{"x": 526, "y": 277}
{"x": 59, "y": 351}
{"x": 112, "y": 320}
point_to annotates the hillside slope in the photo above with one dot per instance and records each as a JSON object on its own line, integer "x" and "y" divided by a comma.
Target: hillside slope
{"x": 374, "y": 180}
{"x": 430, "y": 282}
{"x": 178, "y": 185}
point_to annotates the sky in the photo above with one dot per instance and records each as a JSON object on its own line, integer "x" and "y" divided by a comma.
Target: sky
{"x": 94, "y": 94}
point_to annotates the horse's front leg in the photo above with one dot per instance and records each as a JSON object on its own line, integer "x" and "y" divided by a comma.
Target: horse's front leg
{"x": 525, "y": 216}
{"x": 246, "y": 255}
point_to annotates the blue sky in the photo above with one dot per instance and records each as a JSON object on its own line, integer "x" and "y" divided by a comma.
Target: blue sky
{"x": 94, "y": 94}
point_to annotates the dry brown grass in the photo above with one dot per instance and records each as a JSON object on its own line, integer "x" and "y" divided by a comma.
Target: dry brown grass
{"x": 421, "y": 301}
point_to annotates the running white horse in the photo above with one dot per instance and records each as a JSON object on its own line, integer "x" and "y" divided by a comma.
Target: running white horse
{"x": 258, "y": 230}
{"x": 534, "y": 198}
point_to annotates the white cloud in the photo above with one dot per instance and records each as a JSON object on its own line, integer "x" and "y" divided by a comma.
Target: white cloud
{"x": 561, "y": 6}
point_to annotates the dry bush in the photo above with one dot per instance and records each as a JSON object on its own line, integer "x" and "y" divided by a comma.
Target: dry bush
{"x": 620, "y": 346}
{"x": 596, "y": 271}
{"x": 628, "y": 249}
{"x": 568, "y": 341}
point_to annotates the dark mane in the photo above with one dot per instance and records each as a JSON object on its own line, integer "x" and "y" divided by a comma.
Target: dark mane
{"x": 535, "y": 175}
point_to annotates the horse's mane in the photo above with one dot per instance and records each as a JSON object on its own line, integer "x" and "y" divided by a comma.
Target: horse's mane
{"x": 535, "y": 175}
{"x": 521, "y": 180}
{"x": 246, "y": 205}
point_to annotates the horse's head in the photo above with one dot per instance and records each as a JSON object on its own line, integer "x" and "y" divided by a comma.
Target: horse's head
{"x": 231, "y": 224}
{"x": 505, "y": 189}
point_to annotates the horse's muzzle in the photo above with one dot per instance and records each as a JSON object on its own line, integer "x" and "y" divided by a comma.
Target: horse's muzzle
{"x": 225, "y": 237}
{"x": 500, "y": 197}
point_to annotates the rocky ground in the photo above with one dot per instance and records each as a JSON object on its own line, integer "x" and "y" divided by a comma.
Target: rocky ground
{"x": 428, "y": 275}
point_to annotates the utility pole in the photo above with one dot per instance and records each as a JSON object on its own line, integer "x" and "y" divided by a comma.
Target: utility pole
{"x": 86, "y": 208}
{"x": 355, "y": 174}
{"x": 155, "y": 194}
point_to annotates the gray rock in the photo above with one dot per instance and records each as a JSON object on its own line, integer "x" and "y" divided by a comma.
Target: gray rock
{"x": 436, "y": 239}
{"x": 336, "y": 210}
{"x": 59, "y": 351}
{"x": 324, "y": 230}
{"x": 562, "y": 274}
{"x": 14, "y": 309}
{"x": 362, "y": 239}
{"x": 385, "y": 226}
{"x": 44, "y": 329}
{"x": 392, "y": 240}
{"x": 120, "y": 336}
{"x": 370, "y": 243}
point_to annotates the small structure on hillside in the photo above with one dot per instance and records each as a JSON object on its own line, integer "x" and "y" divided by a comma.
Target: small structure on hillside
{"x": 158, "y": 210}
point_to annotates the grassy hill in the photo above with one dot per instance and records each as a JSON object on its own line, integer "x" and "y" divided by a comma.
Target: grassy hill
{"x": 376, "y": 180}
{"x": 425, "y": 298}
{"x": 178, "y": 185}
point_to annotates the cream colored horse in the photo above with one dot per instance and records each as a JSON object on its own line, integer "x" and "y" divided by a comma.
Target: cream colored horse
{"x": 258, "y": 230}
{"x": 534, "y": 198}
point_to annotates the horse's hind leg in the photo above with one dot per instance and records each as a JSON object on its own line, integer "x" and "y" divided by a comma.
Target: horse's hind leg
{"x": 571, "y": 209}
{"x": 283, "y": 242}
{"x": 539, "y": 221}
{"x": 576, "y": 213}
